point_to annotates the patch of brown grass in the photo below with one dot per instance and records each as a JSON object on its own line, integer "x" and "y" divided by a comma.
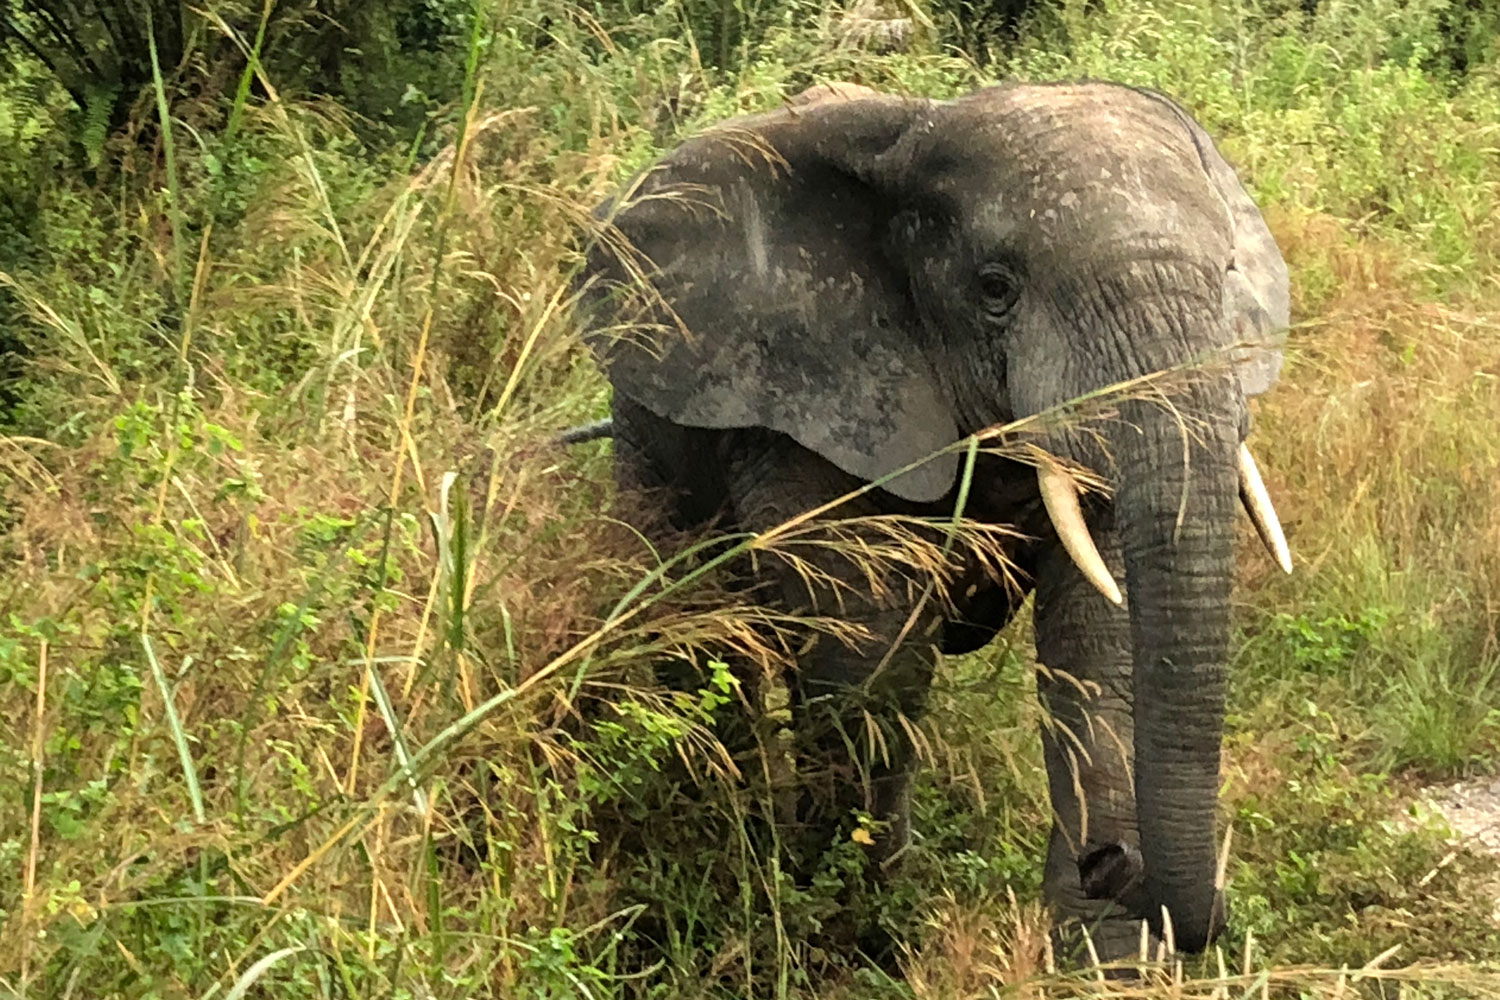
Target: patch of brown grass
{"x": 1380, "y": 442}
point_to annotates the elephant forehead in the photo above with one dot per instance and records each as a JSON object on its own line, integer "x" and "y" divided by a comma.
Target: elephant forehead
{"x": 1063, "y": 164}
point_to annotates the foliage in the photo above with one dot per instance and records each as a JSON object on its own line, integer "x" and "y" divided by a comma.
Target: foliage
{"x": 101, "y": 56}
{"x": 323, "y": 673}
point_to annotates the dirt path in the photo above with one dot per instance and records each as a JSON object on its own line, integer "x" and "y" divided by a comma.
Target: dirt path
{"x": 1472, "y": 809}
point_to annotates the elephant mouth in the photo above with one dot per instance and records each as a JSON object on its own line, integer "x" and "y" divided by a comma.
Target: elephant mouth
{"x": 1060, "y": 498}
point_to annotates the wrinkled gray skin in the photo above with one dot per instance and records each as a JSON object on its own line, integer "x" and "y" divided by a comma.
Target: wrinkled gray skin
{"x": 868, "y": 278}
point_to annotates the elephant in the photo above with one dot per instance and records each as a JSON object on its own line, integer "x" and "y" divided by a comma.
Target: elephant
{"x": 821, "y": 299}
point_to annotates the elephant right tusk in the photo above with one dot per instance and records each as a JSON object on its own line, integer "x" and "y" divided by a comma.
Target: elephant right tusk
{"x": 1060, "y": 497}
{"x": 1258, "y": 505}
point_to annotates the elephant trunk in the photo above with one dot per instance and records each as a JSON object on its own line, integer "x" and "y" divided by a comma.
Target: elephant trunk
{"x": 1176, "y": 500}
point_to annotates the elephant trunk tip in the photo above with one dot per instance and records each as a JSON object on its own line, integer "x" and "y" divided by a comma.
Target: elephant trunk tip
{"x": 1194, "y": 938}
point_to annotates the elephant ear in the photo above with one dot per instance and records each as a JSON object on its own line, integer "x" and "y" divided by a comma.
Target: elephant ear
{"x": 1257, "y": 299}
{"x": 751, "y": 255}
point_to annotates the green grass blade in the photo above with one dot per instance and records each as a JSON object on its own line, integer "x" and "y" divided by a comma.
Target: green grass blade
{"x": 242, "y": 89}
{"x": 252, "y": 975}
{"x": 169, "y": 153}
{"x": 184, "y": 752}
{"x": 398, "y": 742}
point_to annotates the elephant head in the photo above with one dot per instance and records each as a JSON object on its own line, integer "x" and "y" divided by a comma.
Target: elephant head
{"x": 878, "y": 276}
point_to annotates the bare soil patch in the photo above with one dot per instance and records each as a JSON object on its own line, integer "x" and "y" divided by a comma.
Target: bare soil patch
{"x": 1471, "y": 809}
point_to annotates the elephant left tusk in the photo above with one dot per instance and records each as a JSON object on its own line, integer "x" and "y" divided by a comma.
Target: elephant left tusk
{"x": 1060, "y": 497}
{"x": 1258, "y": 505}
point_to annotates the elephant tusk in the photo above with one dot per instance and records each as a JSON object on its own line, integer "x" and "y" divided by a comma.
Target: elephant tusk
{"x": 1060, "y": 497}
{"x": 1258, "y": 505}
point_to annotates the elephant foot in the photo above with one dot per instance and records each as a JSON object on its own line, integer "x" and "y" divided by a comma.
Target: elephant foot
{"x": 1109, "y": 933}
{"x": 1109, "y": 939}
{"x": 1092, "y": 897}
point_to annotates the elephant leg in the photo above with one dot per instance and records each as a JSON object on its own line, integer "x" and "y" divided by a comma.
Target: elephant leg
{"x": 672, "y": 492}
{"x": 1084, "y": 685}
{"x": 855, "y": 705}
{"x": 662, "y": 465}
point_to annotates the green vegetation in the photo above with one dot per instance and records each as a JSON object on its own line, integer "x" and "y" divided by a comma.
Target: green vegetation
{"x": 279, "y": 517}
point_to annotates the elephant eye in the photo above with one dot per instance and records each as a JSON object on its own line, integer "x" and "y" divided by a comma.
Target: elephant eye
{"x": 998, "y": 289}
